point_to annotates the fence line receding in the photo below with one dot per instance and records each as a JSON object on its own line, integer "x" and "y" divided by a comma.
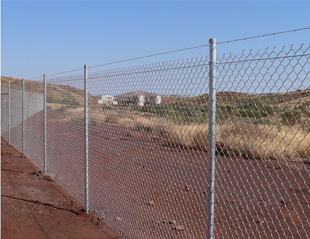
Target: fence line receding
{"x": 132, "y": 144}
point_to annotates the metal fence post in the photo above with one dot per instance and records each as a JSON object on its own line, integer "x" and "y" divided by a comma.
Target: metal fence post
{"x": 86, "y": 137}
{"x": 23, "y": 118}
{"x": 44, "y": 123}
{"x": 9, "y": 113}
{"x": 212, "y": 136}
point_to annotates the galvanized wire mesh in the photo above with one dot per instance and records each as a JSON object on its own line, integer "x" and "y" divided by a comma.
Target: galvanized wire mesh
{"x": 148, "y": 144}
{"x": 33, "y": 118}
{"x": 65, "y": 133}
{"x": 147, "y": 178}
{"x": 16, "y": 101}
{"x": 5, "y": 112}
{"x": 263, "y": 138}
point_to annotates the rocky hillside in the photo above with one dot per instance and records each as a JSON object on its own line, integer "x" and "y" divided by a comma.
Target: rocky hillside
{"x": 62, "y": 94}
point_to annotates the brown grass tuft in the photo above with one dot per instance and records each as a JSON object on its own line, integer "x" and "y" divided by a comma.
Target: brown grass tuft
{"x": 241, "y": 140}
{"x": 263, "y": 142}
{"x": 266, "y": 142}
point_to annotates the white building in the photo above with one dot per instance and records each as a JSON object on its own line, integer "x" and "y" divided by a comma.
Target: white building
{"x": 158, "y": 100}
{"x": 107, "y": 100}
{"x": 141, "y": 100}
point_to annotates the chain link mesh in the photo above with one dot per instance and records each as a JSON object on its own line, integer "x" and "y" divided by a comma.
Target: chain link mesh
{"x": 5, "y": 112}
{"x": 16, "y": 101}
{"x": 263, "y": 135}
{"x": 65, "y": 133}
{"x": 148, "y": 144}
{"x": 147, "y": 178}
{"x": 33, "y": 117}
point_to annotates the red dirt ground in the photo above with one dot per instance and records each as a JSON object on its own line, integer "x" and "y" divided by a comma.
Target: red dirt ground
{"x": 143, "y": 188}
{"x": 34, "y": 206}
{"x": 152, "y": 188}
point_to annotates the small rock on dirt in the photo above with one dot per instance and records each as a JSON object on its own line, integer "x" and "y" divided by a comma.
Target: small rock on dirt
{"x": 173, "y": 222}
{"x": 178, "y": 228}
{"x": 150, "y": 203}
{"x": 259, "y": 221}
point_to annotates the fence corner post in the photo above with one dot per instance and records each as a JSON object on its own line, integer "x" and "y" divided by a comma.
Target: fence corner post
{"x": 44, "y": 123}
{"x": 23, "y": 117}
{"x": 9, "y": 113}
{"x": 86, "y": 137}
{"x": 212, "y": 136}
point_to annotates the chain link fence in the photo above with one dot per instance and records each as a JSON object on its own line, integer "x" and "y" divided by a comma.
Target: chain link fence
{"x": 139, "y": 144}
{"x": 65, "y": 133}
{"x": 5, "y": 112}
{"x": 16, "y": 115}
{"x": 263, "y": 137}
{"x": 137, "y": 154}
{"x": 33, "y": 120}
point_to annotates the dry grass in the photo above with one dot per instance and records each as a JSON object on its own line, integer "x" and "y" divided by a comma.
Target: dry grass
{"x": 96, "y": 116}
{"x": 71, "y": 114}
{"x": 245, "y": 140}
{"x": 109, "y": 117}
{"x": 169, "y": 133}
{"x": 265, "y": 142}
{"x": 54, "y": 106}
{"x": 187, "y": 136}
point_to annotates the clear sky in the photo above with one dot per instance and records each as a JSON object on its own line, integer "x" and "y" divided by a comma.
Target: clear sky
{"x": 53, "y": 36}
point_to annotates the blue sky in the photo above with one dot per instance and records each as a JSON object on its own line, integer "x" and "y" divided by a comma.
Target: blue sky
{"x": 53, "y": 36}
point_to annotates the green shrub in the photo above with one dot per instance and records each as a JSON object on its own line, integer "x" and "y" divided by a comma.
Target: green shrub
{"x": 250, "y": 114}
{"x": 252, "y": 104}
{"x": 66, "y": 101}
{"x": 53, "y": 99}
{"x": 305, "y": 109}
{"x": 50, "y": 99}
{"x": 226, "y": 108}
{"x": 263, "y": 122}
{"x": 180, "y": 114}
{"x": 263, "y": 113}
{"x": 269, "y": 110}
{"x": 306, "y": 112}
{"x": 291, "y": 116}
{"x": 302, "y": 107}
{"x": 221, "y": 115}
{"x": 107, "y": 107}
{"x": 306, "y": 125}
{"x": 204, "y": 109}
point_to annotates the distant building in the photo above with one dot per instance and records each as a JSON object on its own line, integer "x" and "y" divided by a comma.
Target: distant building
{"x": 107, "y": 100}
{"x": 141, "y": 100}
{"x": 138, "y": 98}
{"x": 148, "y": 100}
{"x": 158, "y": 100}
{"x": 130, "y": 99}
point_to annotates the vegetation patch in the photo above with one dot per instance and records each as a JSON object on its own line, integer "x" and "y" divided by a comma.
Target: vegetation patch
{"x": 246, "y": 140}
{"x": 261, "y": 126}
{"x": 291, "y": 116}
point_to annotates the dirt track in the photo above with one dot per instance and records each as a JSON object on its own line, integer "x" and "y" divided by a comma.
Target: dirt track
{"x": 34, "y": 206}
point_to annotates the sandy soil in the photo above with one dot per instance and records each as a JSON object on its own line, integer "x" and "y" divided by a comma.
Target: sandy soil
{"x": 34, "y": 206}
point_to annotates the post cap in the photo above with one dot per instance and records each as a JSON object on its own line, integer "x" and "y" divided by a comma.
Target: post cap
{"x": 212, "y": 40}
